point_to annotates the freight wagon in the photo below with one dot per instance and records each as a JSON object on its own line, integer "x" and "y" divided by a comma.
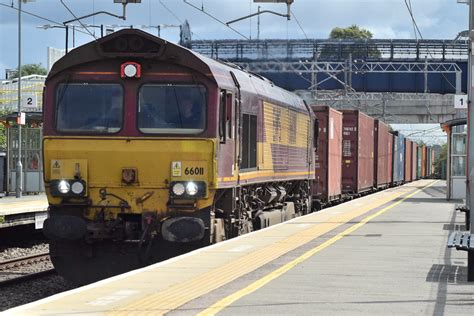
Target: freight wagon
{"x": 383, "y": 150}
{"x": 415, "y": 161}
{"x": 398, "y": 174}
{"x": 357, "y": 152}
{"x": 424, "y": 154}
{"x": 327, "y": 183}
{"x": 408, "y": 160}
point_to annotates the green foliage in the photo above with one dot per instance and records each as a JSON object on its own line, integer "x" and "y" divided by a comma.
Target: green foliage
{"x": 32, "y": 69}
{"x": 3, "y": 133}
{"x": 440, "y": 163}
{"x": 359, "y": 50}
{"x": 351, "y": 32}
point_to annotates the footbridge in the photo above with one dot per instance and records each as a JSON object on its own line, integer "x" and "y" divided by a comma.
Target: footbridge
{"x": 400, "y": 81}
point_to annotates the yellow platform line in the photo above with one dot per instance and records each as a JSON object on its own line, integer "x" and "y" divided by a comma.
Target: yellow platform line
{"x": 181, "y": 293}
{"x": 225, "y": 302}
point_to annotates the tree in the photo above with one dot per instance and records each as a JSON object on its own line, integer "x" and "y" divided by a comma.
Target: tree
{"x": 351, "y": 32}
{"x": 31, "y": 69}
{"x": 3, "y": 132}
{"x": 360, "y": 49}
{"x": 440, "y": 163}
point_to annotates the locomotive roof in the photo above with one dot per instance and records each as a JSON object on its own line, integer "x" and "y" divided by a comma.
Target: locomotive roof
{"x": 134, "y": 43}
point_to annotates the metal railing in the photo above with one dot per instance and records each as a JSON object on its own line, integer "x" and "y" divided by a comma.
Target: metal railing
{"x": 324, "y": 49}
{"x": 31, "y": 85}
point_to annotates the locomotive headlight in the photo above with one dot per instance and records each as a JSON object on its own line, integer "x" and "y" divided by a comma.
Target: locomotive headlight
{"x": 130, "y": 70}
{"x": 188, "y": 190}
{"x": 178, "y": 189}
{"x": 191, "y": 188}
{"x": 63, "y": 187}
{"x": 77, "y": 187}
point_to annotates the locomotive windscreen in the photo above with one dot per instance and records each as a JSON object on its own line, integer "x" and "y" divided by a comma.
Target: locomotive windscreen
{"x": 89, "y": 108}
{"x": 172, "y": 109}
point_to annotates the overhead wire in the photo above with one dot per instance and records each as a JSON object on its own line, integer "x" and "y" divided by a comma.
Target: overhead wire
{"x": 250, "y": 20}
{"x": 93, "y": 17}
{"x": 215, "y": 18}
{"x": 410, "y": 11}
{"x": 38, "y": 16}
{"x": 170, "y": 12}
{"x": 176, "y": 16}
{"x": 77, "y": 19}
{"x": 414, "y": 29}
{"x": 239, "y": 33}
{"x": 299, "y": 24}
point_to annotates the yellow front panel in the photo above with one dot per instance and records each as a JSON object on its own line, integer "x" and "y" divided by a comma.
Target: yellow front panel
{"x": 68, "y": 168}
{"x": 101, "y": 162}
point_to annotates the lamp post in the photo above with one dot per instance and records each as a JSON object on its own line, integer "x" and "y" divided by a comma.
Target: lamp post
{"x": 470, "y": 131}
{"x": 19, "y": 166}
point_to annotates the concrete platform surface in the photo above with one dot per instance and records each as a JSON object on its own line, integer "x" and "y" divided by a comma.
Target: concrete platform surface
{"x": 381, "y": 254}
{"x": 23, "y": 211}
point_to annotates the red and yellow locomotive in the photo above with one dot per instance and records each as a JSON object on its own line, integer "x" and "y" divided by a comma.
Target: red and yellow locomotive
{"x": 150, "y": 148}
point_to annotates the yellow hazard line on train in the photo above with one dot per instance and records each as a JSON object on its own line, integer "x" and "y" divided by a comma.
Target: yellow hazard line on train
{"x": 180, "y": 293}
{"x": 261, "y": 174}
{"x": 225, "y": 302}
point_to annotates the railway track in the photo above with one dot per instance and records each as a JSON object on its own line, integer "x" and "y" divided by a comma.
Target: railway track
{"x": 9, "y": 266}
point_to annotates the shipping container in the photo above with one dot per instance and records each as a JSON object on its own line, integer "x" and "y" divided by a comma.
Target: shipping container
{"x": 429, "y": 161}
{"x": 408, "y": 160}
{"x": 423, "y": 161}
{"x": 398, "y": 174}
{"x": 357, "y": 152}
{"x": 328, "y": 156}
{"x": 383, "y": 143}
{"x": 419, "y": 165}
{"x": 415, "y": 161}
{"x": 433, "y": 159}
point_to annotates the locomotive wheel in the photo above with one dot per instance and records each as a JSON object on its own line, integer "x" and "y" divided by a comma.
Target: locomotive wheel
{"x": 81, "y": 263}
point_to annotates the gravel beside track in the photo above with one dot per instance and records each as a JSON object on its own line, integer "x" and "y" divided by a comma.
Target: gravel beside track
{"x": 24, "y": 242}
{"x": 32, "y": 290}
{"x": 15, "y": 252}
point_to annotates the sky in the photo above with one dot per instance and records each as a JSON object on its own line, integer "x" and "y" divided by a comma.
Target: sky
{"x": 437, "y": 19}
{"x": 387, "y": 19}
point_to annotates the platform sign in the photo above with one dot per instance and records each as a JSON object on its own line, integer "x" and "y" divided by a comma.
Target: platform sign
{"x": 29, "y": 101}
{"x": 21, "y": 119}
{"x": 460, "y": 101}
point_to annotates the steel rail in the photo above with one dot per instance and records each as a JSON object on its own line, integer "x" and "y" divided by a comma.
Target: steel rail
{"x": 23, "y": 261}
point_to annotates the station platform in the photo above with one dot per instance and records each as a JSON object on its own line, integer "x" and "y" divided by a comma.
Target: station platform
{"x": 29, "y": 209}
{"x": 381, "y": 254}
